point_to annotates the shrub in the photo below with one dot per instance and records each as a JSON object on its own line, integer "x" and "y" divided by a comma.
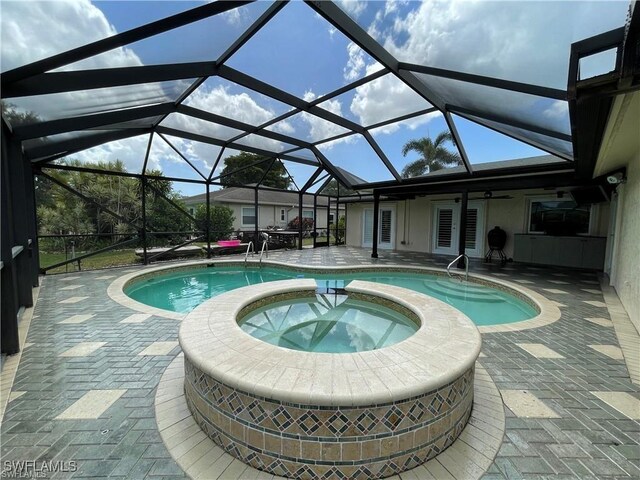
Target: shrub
{"x": 307, "y": 224}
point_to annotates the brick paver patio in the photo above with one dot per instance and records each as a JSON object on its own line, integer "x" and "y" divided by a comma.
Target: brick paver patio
{"x": 81, "y": 342}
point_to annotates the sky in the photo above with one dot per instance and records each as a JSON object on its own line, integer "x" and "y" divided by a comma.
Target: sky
{"x": 302, "y": 54}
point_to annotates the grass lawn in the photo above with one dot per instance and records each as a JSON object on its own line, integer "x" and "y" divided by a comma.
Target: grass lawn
{"x": 104, "y": 260}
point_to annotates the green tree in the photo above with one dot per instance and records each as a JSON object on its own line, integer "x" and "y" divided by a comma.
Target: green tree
{"x": 63, "y": 212}
{"x": 15, "y": 117}
{"x": 433, "y": 155}
{"x": 221, "y": 218}
{"x": 250, "y": 174}
{"x": 162, "y": 216}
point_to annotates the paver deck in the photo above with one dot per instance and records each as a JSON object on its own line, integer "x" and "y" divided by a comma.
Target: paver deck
{"x": 589, "y": 438}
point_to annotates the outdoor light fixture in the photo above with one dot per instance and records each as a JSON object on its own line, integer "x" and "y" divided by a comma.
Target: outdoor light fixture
{"x": 488, "y": 194}
{"x": 616, "y": 178}
{"x": 560, "y": 194}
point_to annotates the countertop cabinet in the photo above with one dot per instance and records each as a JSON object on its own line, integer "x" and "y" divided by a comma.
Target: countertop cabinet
{"x": 578, "y": 252}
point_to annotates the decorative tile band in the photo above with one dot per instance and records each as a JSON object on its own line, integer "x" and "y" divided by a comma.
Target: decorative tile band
{"x": 309, "y": 441}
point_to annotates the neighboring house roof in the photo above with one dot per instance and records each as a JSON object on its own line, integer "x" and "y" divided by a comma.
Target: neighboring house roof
{"x": 246, "y": 196}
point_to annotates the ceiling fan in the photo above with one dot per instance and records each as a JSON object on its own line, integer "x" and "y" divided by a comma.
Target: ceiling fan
{"x": 488, "y": 195}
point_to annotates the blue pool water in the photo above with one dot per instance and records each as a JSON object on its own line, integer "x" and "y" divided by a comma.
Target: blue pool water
{"x": 328, "y": 323}
{"x": 183, "y": 291}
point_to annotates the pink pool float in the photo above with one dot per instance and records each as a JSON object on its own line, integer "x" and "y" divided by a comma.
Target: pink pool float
{"x": 228, "y": 243}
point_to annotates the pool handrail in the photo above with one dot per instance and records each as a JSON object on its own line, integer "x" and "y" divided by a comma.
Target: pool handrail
{"x": 249, "y": 248}
{"x": 466, "y": 265}
{"x": 265, "y": 249}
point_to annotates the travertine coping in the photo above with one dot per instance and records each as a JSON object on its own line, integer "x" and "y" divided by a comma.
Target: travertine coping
{"x": 549, "y": 311}
{"x": 446, "y": 345}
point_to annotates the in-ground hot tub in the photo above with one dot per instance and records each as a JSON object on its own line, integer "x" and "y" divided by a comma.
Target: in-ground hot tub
{"x": 302, "y": 414}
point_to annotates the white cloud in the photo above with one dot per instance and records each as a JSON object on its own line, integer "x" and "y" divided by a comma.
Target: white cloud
{"x": 557, "y": 110}
{"x": 241, "y": 107}
{"x": 391, "y": 6}
{"x": 386, "y": 98}
{"x": 353, "y": 7}
{"x": 32, "y": 31}
{"x": 130, "y": 151}
{"x": 524, "y": 41}
{"x": 35, "y": 30}
{"x": 233, "y": 17}
{"x": 319, "y": 128}
{"x": 355, "y": 64}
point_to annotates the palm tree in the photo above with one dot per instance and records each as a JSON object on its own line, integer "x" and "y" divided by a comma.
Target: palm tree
{"x": 434, "y": 155}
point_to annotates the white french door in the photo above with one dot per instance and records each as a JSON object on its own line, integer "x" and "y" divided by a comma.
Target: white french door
{"x": 446, "y": 224}
{"x": 386, "y": 228}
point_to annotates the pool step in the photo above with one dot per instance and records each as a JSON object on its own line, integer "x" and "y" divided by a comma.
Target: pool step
{"x": 462, "y": 292}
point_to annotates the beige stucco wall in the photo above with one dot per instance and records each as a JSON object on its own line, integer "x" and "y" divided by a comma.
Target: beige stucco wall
{"x": 414, "y": 219}
{"x": 625, "y": 269}
{"x": 621, "y": 148}
{"x": 269, "y": 215}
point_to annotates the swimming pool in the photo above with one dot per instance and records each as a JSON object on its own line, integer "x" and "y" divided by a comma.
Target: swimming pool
{"x": 181, "y": 291}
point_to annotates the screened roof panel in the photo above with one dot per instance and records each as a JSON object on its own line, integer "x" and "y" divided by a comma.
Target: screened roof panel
{"x": 342, "y": 103}
{"x": 313, "y": 50}
{"x": 301, "y": 53}
{"x": 129, "y": 151}
{"x": 393, "y": 137}
{"x": 92, "y": 21}
{"x": 380, "y": 100}
{"x": 202, "y": 155}
{"x": 139, "y": 13}
{"x": 164, "y": 158}
{"x": 544, "y": 142}
{"x": 231, "y": 152}
{"x": 220, "y": 96}
{"x": 319, "y": 183}
{"x": 303, "y": 154}
{"x": 146, "y": 122}
{"x": 299, "y": 173}
{"x": 308, "y": 127}
{"x": 519, "y": 107}
{"x": 37, "y": 142}
{"x": 84, "y": 102}
{"x": 485, "y": 145}
{"x": 201, "y": 127}
{"x": 355, "y": 155}
{"x": 522, "y": 41}
{"x": 204, "y": 40}
{"x": 264, "y": 143}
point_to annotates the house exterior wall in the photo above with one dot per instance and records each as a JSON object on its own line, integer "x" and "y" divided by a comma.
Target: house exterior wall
{"x": 626, "y": 255}
{"x": 621, "y": 148}
{"x": 414, "y": 219}
{"x": 269, "y": 215}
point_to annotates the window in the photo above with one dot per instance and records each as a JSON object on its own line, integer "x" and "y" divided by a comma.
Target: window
{"x": 331, "y": 219}
{"x": 248, "y": 216}
{"x": 282, "y": 215}
{"x": 191, "y": 210}
{"x": 555, "y": 216}
{"x": 307, "y": 214}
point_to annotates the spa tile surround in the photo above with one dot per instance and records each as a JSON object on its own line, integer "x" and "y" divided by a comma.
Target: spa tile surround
{"x": 318, "y": 415}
